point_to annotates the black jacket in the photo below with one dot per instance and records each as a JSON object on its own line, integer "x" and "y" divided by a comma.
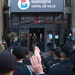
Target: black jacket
{"x": 21, "y": 70}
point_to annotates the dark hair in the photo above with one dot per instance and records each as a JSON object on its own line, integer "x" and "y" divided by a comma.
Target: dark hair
{"x": 18, "y": 51}
{"x": 26, "y": 51}
{"x": 7, "y": 62}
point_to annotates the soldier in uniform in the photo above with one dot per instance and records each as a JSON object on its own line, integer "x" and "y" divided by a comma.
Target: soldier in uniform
{"x": 70, "y": 39}
{"x": 30, "y": 40}
{"x": 34, "y": 40}
{"x": 20, "y": 69}
{"x": 64, "y": 67}
{"x": 26, "y": 60}
{"x": 7, "y": 63}
{"x": 41, "y": 42}
{"x": 56, "y": 60}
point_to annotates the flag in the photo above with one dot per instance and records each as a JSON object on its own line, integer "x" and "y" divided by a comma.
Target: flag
{"x": 35, "y": 19}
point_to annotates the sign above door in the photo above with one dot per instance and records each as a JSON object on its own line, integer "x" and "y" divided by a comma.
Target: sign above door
{"x": 36, "y": 5}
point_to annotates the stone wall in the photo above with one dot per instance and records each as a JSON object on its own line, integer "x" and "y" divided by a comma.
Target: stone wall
{"x": 1, "y": 20}
{"x": 73, "y": 16}
{"x": 73, "y": 13}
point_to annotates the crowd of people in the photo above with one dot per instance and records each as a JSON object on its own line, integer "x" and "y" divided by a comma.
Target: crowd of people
{"x": 18, "y": 61}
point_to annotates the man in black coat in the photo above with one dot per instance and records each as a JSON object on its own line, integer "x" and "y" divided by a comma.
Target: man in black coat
{"x": 41, "y": 42}
{"x": 7, "y": 63}
{"x": 64, "y": 67}
{"x": 70, "y": 39}
{"x": 20, "y": 69}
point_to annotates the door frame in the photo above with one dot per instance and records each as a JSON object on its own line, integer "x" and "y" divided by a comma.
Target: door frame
{"x": 45, "y": 26}
{"x": 37, "y": 31}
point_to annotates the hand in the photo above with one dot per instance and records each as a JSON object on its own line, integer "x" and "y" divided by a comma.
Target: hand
{"x": 37, "y": 49}
{"x": 36, "y": 66}
{"x": 37, "y": 53}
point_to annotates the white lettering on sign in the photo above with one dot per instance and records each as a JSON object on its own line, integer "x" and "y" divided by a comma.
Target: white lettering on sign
{"x": 43, "y": 6}
{"x": 51, "y": 6}
{"x": 36, "y": 6}
{"x": 41, "y": 1}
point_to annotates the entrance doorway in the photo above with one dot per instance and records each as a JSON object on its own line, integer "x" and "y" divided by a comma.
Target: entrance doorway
{"x": 27, "y": 39}
{"x": 36, "y": 38}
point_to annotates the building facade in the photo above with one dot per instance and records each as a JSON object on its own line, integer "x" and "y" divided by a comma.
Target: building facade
{"x": 53, "y": 26}
{"x": 73, "y": 16}
{"x": 1, "y": 20}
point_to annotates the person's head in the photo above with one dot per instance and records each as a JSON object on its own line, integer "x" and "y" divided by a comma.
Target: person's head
{"x": 57, "y": 53}
{"x": 40, "y": 34}
{"x": 66, "y": 48}
{"x": 26, "y": 52}
{"x": 18, "y": 51}
{"x": 70, "y": 34}
{"x": 34, "y": 34}
{"x": 7, "y": 63}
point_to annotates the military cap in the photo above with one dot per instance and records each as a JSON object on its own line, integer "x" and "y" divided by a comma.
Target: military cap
{"x": 18, "y": 51}
{"x": 66, "y": 48}
{"x": 7, "y": 62}
{"x": 57, "y": 52}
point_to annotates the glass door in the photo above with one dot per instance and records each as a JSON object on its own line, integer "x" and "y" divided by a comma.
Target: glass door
{"x": 50, "y": 39}
{"x": 36, "y": 38}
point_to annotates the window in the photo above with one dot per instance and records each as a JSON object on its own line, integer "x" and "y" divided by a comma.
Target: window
{"x": 67, "y": 3}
